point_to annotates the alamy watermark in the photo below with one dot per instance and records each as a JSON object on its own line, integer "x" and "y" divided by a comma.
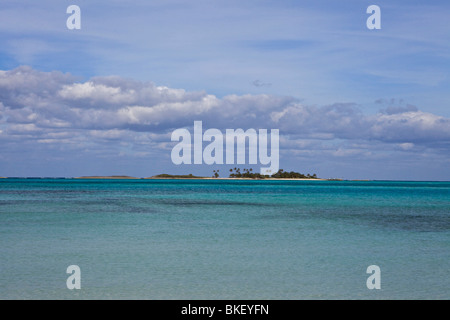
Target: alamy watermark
{"x": 374, "y": 280}
{"x": 213, "y": 153}
{"x": 74, "y": 280}
{"x": 73, "y": 22}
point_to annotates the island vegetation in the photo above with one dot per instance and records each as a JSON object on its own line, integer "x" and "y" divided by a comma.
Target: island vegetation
{"x": 281, "y": 174}
{"x": 238, "y": 173}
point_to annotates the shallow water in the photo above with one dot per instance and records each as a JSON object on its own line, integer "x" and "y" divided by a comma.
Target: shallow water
{"x": 217, "y": 239}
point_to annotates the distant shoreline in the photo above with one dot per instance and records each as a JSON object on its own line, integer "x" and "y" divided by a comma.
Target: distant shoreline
{"x": 171, "y": 178}
{"x": 208, "y": 178}
{"x": 186, "y": 177}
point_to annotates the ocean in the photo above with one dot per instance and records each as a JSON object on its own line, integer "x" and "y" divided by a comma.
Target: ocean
{"x": 224, "y": 239}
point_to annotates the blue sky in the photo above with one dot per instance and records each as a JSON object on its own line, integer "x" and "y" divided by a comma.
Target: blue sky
{"x": 349, "y": 102}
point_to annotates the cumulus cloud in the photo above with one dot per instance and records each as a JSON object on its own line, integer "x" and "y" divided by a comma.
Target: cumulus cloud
{"x": 53, "y": 106}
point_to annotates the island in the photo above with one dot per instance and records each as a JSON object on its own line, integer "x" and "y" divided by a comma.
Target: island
{"x": 236, "y": 174}
{"x": 233, "y": 174}
{"x": 281, "y": 174}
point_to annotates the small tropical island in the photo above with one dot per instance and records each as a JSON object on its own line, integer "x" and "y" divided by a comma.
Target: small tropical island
{"x": 233, "y": 174}
{"x": 236, "y": 173}
{"x": 281, "y": 174}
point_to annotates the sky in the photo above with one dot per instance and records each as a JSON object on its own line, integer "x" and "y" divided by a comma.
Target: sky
{"x": 349, "y": 102}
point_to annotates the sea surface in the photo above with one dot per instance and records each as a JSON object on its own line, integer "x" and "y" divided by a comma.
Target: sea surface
{"x": 219, "y": 239}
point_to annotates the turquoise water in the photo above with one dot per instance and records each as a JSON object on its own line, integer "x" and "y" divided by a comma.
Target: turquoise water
{"x": 216, "y": 239}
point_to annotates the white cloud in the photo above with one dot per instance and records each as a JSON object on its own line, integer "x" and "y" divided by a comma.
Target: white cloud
{"x": 89, "y": 90}
{"x": 406, "y": 145}
{"x": 410, "y": 126}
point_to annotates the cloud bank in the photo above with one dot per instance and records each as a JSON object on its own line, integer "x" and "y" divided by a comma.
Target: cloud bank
{"x": 116, "y": 114}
